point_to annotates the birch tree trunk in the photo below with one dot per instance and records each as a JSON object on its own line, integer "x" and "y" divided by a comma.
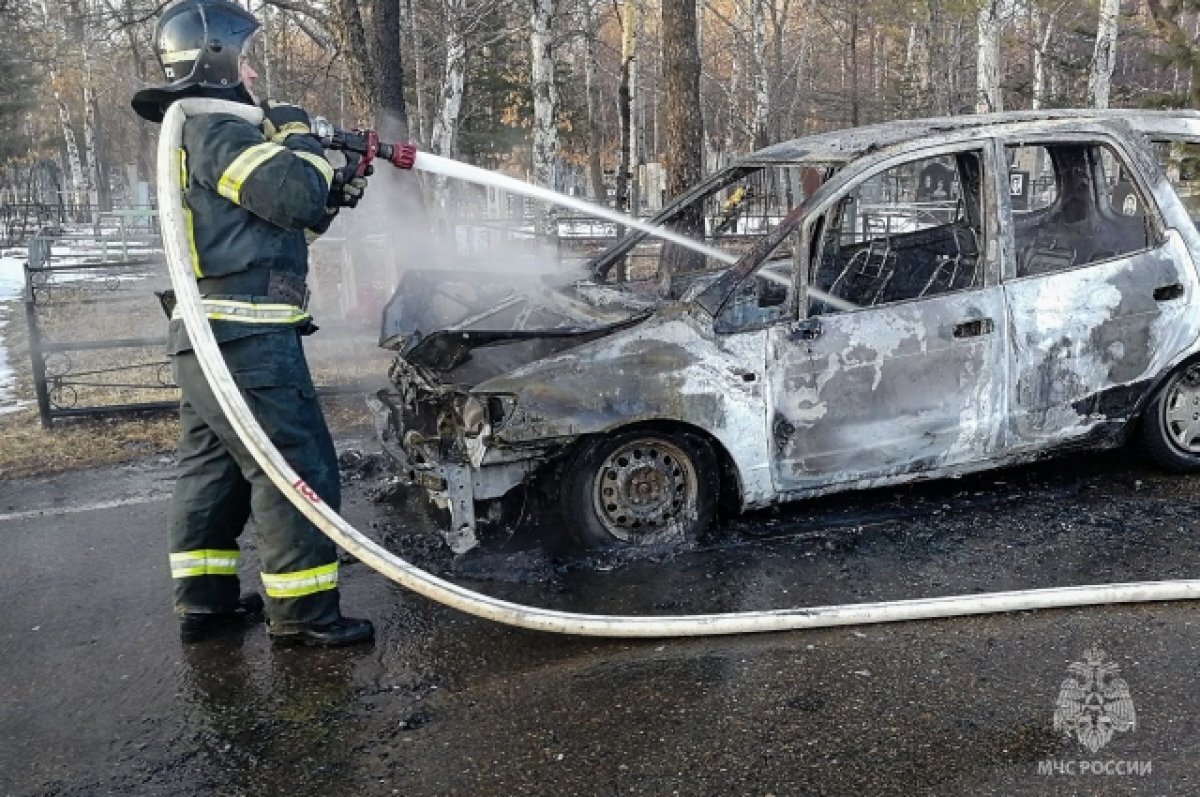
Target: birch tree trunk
{"x": 419, "y": 71}
{"x": 852, "y": 66}
{"x": 762, "y": 97}
{"x": 91, "y": 142}
{"x": 779, "y": 13}
{"x": 939, "y": 91}
{"x": 733, "y": 112}
{"x": 910, "y": 51}
{"x": 625, "y": 100}
{"x": 445, "y": 124}
{"x": 545, "y": 105}
{"x": 637, "y": 111}
{"x": 987, "y": 72}
{"x": 265, "y": 53}
{"x": 590, "y": 67}
{"x": 1043, "y": 27}
{"x": 545, "y": 94}
{"x": 74, "y": 164}
{"x": 90, "y": 122}
{"x": 1104, "y": 56}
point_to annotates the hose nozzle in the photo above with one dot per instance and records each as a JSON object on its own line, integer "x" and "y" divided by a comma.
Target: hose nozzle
{"x": 364, "y": 144}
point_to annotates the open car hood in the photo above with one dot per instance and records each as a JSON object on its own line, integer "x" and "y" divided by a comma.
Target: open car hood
{"x": 468, "y": 326}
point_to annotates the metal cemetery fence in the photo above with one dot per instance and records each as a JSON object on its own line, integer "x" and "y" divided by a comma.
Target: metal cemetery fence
{"x": 96, "y": 333}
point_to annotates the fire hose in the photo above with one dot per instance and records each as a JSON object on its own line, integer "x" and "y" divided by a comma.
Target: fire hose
{"x": 171, "y": 219}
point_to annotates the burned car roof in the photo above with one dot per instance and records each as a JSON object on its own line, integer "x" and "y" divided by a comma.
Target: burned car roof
{"x": 855, "y": 142}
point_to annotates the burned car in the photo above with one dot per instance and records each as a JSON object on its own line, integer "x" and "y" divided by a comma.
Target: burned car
{"x": 907, "y": 301}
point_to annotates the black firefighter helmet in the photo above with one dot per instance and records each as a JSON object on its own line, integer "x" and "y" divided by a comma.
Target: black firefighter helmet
{"x": 199, "y": 44}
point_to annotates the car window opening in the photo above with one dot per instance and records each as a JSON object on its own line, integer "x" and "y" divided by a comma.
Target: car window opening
{"x": 732, "y": 216}
{"x": 1073, "y": 204}
{"x": 910, "y": 231}
{"x": 1180, "y": 160}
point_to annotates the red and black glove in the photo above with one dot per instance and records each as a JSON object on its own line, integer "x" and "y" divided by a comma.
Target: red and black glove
{"x": 347, "y": 189}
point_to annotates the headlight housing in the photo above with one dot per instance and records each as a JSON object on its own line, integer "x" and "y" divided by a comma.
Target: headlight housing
{"x": 473, "y": 414}
{"x": 479, "y": 410}
{"x": 501, "y": 407}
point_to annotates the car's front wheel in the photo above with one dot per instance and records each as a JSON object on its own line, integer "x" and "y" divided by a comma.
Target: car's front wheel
{"x": 640, "y": 487}
{"x": 1171, "y": 425}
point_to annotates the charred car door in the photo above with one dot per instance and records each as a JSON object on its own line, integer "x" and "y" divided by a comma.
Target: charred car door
{"x": 1095, "y": 291}
{"x": 896, "y": 364}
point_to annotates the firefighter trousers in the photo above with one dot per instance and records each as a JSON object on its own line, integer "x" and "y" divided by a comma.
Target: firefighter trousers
{"x": 219, "y": 486}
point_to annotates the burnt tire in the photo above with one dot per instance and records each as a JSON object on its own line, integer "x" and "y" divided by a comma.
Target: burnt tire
{"x": 1170, "y": 431}
{"x": 639, "y": 488}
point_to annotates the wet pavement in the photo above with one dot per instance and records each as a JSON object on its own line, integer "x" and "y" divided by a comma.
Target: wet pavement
{"x": 99, "y": 696}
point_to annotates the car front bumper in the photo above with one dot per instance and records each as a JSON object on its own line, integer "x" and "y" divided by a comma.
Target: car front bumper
{"x": 456, "y": 472}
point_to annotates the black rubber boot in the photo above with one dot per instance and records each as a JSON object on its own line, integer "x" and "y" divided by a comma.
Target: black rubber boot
{"x": 341, "y": 632}
{"x": 195, "y": 626}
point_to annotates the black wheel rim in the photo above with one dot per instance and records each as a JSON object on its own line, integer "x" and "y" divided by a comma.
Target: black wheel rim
{"x": 645, "y": 491}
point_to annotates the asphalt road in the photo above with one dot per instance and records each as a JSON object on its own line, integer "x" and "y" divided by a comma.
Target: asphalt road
{"x": 99, "y": 697}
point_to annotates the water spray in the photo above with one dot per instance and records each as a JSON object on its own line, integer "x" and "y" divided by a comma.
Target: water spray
{"x": 363, "y": 146}
{"x": 408, "y": 575}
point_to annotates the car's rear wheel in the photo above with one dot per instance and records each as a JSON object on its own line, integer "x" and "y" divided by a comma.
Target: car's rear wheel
{"x": 641, "y": 487}
{"x": 1171, "y": 425}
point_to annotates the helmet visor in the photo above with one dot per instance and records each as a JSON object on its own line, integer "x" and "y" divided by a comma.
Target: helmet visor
{"x": 202, "y": 42}
{"x": 229, "y": 28}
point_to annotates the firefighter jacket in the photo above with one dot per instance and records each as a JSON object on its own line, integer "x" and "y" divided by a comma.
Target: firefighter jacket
{"x": 248, "y": 203}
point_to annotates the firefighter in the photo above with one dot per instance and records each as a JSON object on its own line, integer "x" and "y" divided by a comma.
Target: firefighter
{"x": 731, "y": 209}
{"x": 252, "y": 196}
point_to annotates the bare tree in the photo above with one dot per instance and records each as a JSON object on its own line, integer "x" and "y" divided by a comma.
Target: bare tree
{"x": 391, "y": 113}
{"x": 987, "y": 47}
{"x": 545, "y": 93}
{"x": 762, "y": 96}
{"x": 74, "y": 162}
{"x": 1043, "y": 24}
{"x": 1104, "y": 56}
{"x": 681, "y": 70}
{"x": 625, "y": 101}
{"x": 347, "y": 24}
{"x": 454, "y": 75}
{"x": 592, "y": 89}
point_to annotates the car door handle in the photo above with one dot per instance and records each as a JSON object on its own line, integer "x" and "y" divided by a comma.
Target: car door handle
{"x": 1165, "y": 293}
{"x": 973, "y": 329}
{"x": 809, "y": 329}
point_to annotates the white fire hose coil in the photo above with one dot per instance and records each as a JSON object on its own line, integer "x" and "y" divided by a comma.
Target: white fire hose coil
{"x": 398, "y": 570}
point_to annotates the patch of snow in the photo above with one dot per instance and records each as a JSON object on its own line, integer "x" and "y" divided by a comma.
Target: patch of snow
{"x": 12, "y": 282}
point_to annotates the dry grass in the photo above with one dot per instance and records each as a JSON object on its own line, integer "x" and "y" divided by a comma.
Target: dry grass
{"x": 26, "y": 449}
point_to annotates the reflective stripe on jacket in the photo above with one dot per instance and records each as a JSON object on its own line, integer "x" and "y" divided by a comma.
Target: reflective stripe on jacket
{"x": 250, "y": 312}
{"x": 251, "y": 199}
{"x": 248, "y": 203}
